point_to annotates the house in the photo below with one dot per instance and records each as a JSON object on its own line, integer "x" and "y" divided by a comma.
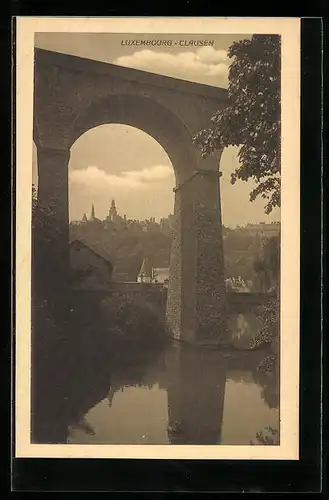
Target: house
{"x": 127, "y": 269}
{"x": 146, "y": 273}
{"x": 161, "y": 274}
{"x": 89, "y": 270}
{"x": 264, "y": 229}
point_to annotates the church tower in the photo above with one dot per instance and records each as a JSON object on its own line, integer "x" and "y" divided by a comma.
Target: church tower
{"x": 113, "y": 211}
{"x": 93, "y": 212}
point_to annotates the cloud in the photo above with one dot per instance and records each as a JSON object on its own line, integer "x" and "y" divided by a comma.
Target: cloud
{"x": 205, "y": 65}
{"x": 140, "y": 194}
{"x": 93, "y": 177}
{"x": 157, "y": 172}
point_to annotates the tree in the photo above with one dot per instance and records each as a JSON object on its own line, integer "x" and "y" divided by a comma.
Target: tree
{"x": 269, "y": 437}
{"x": 271, "y": 259}
{"x": 267, "y": 267}
{"x": 261, "y": 275}
{"x": 251, "y": 118}
{"x": 45, "y": 262}
{"x": 43, "y": 227}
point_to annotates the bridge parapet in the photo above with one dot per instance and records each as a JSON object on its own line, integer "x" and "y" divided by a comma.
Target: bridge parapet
{"x": 156, "y": 293}
{"x": 249, "y": 298}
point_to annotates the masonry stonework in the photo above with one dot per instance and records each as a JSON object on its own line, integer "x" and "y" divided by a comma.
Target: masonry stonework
{"x": 73, "y": 95}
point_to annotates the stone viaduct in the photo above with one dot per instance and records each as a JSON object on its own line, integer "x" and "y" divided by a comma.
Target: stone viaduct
{"x": 73, "y": 95}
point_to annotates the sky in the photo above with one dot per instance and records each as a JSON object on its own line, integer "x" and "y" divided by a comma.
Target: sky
{"x": 140, "y": 177}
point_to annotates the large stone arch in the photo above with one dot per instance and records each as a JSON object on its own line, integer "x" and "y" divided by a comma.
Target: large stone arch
{"x": 73, "y": 95}
{"x": 150, "y": 117}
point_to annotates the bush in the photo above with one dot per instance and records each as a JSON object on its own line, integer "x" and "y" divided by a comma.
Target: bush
{"x": 270, "y": 437}
{"x": 268, "y": 335}
{"x": 133, "y": 320}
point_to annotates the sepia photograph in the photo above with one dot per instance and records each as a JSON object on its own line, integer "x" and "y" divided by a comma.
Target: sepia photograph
{"x": 157, "y": 216}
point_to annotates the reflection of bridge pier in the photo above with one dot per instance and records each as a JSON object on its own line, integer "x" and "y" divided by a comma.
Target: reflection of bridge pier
{"x": 196, "y": 389}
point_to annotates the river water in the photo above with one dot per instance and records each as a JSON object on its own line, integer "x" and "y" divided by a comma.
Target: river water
{"x": 186, "y": 395}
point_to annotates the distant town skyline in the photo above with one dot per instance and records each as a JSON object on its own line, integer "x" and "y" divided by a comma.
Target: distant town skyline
{"x": 142, "y": 187}
{"x": 91, "y": 213}
{"x": 125, "y": 163}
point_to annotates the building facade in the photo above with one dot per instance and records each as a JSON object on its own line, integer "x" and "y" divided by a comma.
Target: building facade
{"x": 89, "y": 270}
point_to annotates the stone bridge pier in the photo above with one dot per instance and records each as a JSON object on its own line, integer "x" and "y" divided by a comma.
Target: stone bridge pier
{"x": 196, "y": 303}
{"x": 73, "y": 95}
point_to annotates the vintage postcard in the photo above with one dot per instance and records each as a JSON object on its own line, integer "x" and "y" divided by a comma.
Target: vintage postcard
{"x": 157, "y": 238}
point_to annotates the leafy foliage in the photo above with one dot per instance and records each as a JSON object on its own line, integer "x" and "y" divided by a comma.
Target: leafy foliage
{"x": 125, "y": 245}
{"x": 267, "y": 267}
{"x": 251, "y": 118}
{"x": 43, "y": 225}
{"x": 268, "y": 335}
{"x": 269, "y": 437}
{"x": 267, "y": 364}
{"x": 134, "y": 320}
{"x": 45, "y": 230}
{"x": 271, "y": 256}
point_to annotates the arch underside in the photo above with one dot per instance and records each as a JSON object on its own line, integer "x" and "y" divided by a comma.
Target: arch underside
{"x": 148, "y": 116}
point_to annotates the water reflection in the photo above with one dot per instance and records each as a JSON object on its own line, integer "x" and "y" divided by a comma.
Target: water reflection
{"x": 186, "y": 396}
{"x": 243, "y": 328}
{"x": 195, "y": 390}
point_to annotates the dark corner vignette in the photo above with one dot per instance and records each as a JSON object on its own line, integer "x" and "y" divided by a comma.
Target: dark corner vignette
{"x": 311, "y": 376}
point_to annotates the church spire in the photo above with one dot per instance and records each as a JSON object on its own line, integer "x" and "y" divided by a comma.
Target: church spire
{"x": 113, "y": 211}
{"x": 93, "y": 212}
